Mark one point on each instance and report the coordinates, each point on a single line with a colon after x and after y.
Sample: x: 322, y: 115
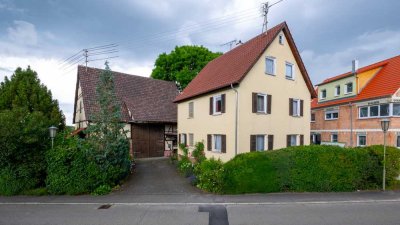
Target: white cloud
x: 369, y: 48
x: 23, y: 33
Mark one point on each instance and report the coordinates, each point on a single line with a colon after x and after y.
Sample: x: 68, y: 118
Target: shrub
x: 209, y: 173
x: 184, y: 150
x: 185, y: 166
x: 15, y: 180
x: 198, y: 152
x: 102, y: 190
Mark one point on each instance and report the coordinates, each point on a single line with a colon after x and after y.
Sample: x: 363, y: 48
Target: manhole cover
x: 105, y: 206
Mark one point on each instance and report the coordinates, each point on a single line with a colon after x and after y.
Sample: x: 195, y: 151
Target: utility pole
x: 86, y: 55
x: 265, y: 8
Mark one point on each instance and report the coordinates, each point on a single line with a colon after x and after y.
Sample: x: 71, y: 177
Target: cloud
x: 368, y: 48
x: 23, y: 33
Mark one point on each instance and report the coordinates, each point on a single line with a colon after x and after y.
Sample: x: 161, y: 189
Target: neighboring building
x: 147, y: 109
x: 254, y: 97
x: 350, y: 106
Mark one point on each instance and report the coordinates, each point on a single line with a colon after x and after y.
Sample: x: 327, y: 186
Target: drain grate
x: 104, y: 206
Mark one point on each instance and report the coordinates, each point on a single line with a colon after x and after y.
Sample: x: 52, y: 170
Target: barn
x: 147, y: 109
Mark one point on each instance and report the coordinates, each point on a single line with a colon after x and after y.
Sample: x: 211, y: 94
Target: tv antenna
x: 265, y: 8
x: 232, y: 43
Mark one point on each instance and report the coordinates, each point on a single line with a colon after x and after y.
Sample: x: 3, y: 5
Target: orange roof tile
x: 385, y: 83
x: 233, y: 66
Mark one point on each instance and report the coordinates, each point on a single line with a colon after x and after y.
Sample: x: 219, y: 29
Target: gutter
x: 236, y: 116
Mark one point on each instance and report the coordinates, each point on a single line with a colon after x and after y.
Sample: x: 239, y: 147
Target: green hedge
x: 306, y: 168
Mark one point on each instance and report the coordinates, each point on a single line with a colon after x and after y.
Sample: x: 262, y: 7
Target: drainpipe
x: 236, y: 117
x: 351, y: 124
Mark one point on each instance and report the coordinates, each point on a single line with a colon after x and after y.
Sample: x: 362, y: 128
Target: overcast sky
x: 328, y: 33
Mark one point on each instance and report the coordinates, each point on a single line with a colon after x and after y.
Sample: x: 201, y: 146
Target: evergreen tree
x: 110, y: 147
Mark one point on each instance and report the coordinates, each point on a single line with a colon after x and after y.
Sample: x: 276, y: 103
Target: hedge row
x: 304, y: 168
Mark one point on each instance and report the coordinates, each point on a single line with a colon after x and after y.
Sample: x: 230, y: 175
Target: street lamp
x: 53, y: 132
x: 385, y: 123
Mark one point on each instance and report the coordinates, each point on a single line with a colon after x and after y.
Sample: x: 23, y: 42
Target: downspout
x: 351, y: 124
x: 236, y: 116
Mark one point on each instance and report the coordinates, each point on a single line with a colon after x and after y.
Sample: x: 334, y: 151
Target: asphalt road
x: 156, y: 194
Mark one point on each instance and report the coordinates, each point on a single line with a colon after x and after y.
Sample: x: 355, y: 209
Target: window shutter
x: 179, y: 138
x: 301, y: 107
x: 209, y: 142
x: 270, y: 142
x: 254, y: 102
x: 223, y: 143
x: 269, y: 102
x: 288, y: 140
x: 290, y: 106
x: 252, y: 143
x: 223, y: 103
x: 211, y: 105
x: 301, y: 139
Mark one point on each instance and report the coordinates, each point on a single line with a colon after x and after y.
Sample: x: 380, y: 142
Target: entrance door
x: 147, y: 140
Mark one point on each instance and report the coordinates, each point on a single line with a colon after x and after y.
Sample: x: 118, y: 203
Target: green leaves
x: 182, y: 64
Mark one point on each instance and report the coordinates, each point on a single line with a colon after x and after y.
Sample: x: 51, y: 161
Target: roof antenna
x: 264, y: 9
x: 231, y: 43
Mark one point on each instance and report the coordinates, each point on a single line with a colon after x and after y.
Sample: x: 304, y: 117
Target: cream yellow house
x: 255, y: 97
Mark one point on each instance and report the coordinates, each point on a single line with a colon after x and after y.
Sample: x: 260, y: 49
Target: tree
x: 110, y: 147
x: 27, y: 109
x: 182, y: 64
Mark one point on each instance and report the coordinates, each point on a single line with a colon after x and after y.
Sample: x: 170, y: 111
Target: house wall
x: 80, y: 116
x: 370, y: 126
x: 330, y: 89
x: 278, y: 123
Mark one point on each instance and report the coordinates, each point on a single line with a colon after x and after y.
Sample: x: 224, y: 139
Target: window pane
x: 260, y: 143
x: 362, y: 140
x: 293, y: 140
x: 334, y: 138
x: 373, y: 111
x: 324, y: 94
x: 335, y: 115
x: 328, y: 116
x: 396, y: 109
x: 349, y: 87
x: 190, y: 109
x: 398, y: 141
x: 218, y: 104
x: 289, y: 70
x: 364, y: 112
x: 312, y: 116
x: 384, y: 110
x: 217, y: 142
x: 295, y: 107
x: 260, y: 103
x: 270, y: 66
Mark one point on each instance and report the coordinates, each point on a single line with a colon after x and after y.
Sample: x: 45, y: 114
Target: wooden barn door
x: 147, y: 140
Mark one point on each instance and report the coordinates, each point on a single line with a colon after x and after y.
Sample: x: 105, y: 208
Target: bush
x: 102, y: 190
x: 185, y: 166
x: 308, y: 168
x: 209, y: 175
x: 15, y: 180
x: 198, y: 152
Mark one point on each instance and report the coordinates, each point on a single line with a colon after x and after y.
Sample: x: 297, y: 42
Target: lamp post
x: 385, y: 127
x: 53, y: 132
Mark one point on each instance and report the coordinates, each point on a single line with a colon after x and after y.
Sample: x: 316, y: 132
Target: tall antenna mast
x: 86, y: 55
x: 265, y: 8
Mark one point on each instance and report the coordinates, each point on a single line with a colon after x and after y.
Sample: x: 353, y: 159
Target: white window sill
x: 296, y: 116
x: 261, y: 113
x: 348, y: 93
x: 270, y: 74
x: 289, y: 78
x: 312, y: 121
x: 331, y: 119
x: 216, y: 151
x: 217, y: 114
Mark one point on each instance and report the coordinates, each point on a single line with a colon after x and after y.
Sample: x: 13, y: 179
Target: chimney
x: 354, y: 66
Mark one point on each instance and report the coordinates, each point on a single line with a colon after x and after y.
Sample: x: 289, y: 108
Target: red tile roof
x: 233, y: 66
x: 385, y: 83
x: 147, y: 100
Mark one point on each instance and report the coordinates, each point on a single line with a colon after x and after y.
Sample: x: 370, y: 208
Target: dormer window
x: 349, y: 88
x: 323, y: 94
x: 337, y: 90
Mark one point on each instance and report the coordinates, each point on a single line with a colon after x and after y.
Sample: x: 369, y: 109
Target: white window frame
x: 265, y: 103
x: 346, y: 86
x: 392, y: 109
x: 379, y: 111
x: 337, y: 137
x: 281, y: 39
x: 292, y: 66
x: 215, y: 99
x: 215, y: 138
x: 296, y: 109
x: 191, y: 140
x: 321, y: 95
x: 274, y: 65
x: 337, y: 91
x: 358, y: 139
x: 191, y: 109
x: 332, y: 112
x: 263, y: 145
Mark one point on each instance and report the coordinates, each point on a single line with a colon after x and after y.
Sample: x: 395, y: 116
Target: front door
x: 147, y: 140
